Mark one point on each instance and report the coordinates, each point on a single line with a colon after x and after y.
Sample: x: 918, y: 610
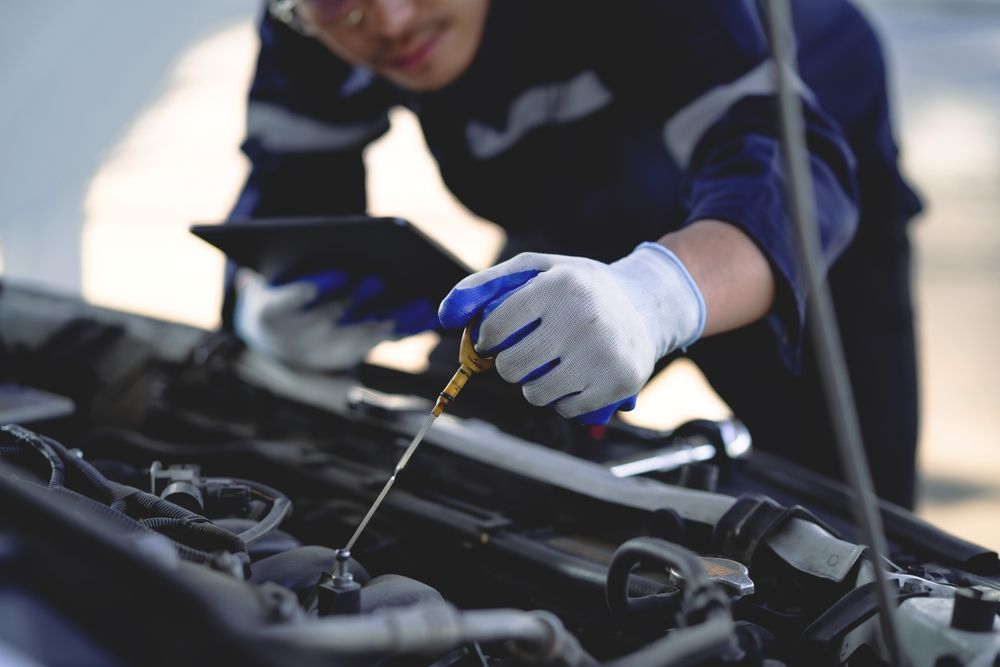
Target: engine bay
x: 189, y: 504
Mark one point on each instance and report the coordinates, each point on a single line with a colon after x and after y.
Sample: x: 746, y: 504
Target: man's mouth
x: 416, y: 54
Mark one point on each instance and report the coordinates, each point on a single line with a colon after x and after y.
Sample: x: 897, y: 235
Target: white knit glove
x: 318, y: 322
x: 576, y: 333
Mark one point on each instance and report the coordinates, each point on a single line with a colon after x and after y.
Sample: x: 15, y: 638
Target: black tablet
x: 390, y: 248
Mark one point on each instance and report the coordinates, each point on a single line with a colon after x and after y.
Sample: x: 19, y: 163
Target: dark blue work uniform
x: 583, y: 128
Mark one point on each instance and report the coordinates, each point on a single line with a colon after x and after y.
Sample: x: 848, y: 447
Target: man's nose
x: 391, y: 18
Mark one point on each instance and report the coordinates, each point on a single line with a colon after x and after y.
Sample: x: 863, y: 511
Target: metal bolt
x: 342, y: 573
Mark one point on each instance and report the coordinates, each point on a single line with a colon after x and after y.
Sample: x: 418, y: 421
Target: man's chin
x: 427, y: 79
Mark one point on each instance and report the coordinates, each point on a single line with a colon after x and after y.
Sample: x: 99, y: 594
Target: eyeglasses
x: 309, y: 16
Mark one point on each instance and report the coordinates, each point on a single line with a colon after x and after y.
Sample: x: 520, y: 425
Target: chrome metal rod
x: 388, y: 485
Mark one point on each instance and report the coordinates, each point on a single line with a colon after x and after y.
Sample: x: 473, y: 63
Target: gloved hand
x: 576, y: 333
x: 322, y: 321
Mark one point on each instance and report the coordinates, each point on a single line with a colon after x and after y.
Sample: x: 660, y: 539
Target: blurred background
x: 123, y: 125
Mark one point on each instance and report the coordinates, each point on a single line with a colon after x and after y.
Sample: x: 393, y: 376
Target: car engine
x: 170, y: 498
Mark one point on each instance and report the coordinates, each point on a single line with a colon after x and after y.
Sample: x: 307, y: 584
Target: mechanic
x: 636, y: 140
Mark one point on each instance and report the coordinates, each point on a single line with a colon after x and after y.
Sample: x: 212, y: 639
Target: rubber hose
x: 58, y: 456
x: 703, y: 604
x: 281, y: 508
x: 693, y: 645
x: 206, y: 535
x: 699, y: 594
x: 25, y: 437
x: 102, y: 486
x: 540, y: 638
x: 156, y: 505
x: 125, y: 521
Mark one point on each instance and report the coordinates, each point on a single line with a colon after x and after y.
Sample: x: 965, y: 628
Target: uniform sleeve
x: 703, y: 67
x: 309, y: 116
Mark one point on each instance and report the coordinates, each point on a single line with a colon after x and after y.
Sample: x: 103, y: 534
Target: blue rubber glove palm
x: 577, y: 334
x: 324, y: 321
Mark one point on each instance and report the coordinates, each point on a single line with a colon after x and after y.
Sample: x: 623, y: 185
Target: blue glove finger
x: 462, y: 305
x: 368, y: 288
x: 413, y: 317
x: 329, y: 284
x: 602, y: 415
x: 365, y: 290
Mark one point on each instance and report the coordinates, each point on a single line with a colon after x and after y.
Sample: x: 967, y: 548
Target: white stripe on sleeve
x: 279, y: 129
x: 684, y: 130
x: 549, y: 104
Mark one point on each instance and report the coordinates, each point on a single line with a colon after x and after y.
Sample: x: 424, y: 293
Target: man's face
x: 420, y: 45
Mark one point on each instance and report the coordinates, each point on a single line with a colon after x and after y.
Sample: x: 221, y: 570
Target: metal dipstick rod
x: 470, y: 362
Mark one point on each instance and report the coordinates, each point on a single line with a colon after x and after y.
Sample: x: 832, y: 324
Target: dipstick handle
x: 470, y: 362
x: 449, y: 393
